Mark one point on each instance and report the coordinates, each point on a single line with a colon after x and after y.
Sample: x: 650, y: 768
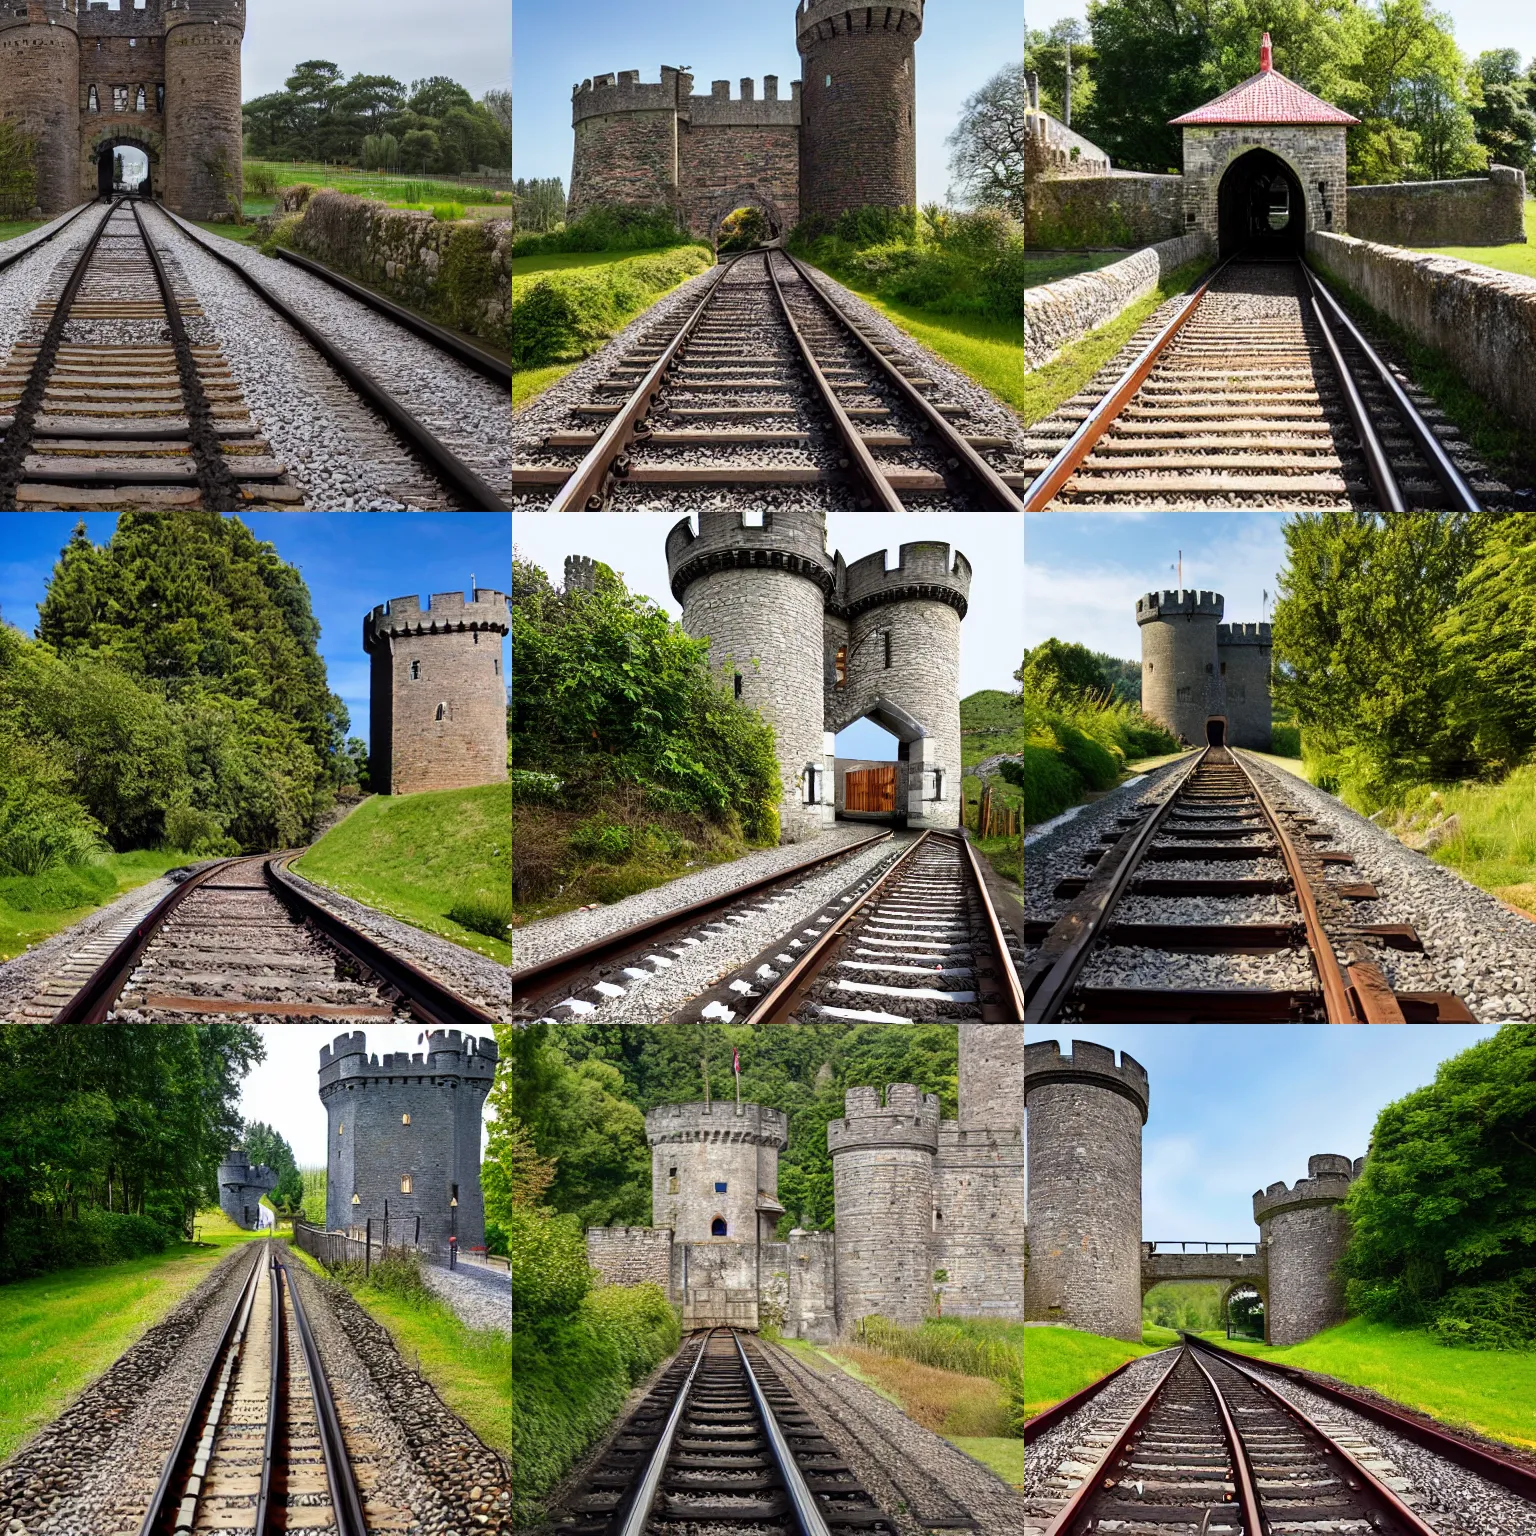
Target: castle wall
x: 1124, y: 208
x: 1180, y: 679
x: 725, y: 167
x: 811, y: 1262
x: 991, y: 1087
x: 1305, y: 1295
x: 709, y: 1145
x: 240, y: 1190
x: 203, y: 174
x: 978, y: 1222
x: 128, y: 58
x: 40, y: 90
x: 624, y: 157
x: 1243, y: 654
x: 631, y: 1255
x: 1474, y: 210
x: 716, y: 1282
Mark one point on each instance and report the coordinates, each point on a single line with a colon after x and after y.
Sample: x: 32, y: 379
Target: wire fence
x: 367, y: 1244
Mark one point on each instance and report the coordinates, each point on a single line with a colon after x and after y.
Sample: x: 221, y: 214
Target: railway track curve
x: 1259, y: 391
x: 240, y: 938
x: 1215, y: 835
x: 765, y: 382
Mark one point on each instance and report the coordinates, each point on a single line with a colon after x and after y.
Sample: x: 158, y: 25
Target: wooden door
x: 870, y: 789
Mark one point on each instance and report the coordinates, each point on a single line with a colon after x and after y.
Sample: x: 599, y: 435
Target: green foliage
x: 971, y: 1347
x: 1504, y: 109
x: 288, y: 1195
x: 549, y: 1264
x: 1194, y: 1306
x: 489, y: 913
x: 267, y: 1148
x: 609, y: 228
x: 743, y: 230
x: 530, y: 788
x: 18, y: 170
x: 639, y: 1321
x: 314, y: 1195
x: 538, y: 204
x: 1444, y: 1215
x: 1063, y: 667
x: 398, y: 1274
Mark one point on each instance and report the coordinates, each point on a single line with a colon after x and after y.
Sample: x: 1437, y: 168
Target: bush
x: 535, y: 788
x: 1499, y: 1315
x: 1095, y: 765
x: 261, y: 179
x: 599, y: 838
x: 1050, y: 786
x: 1285, y: 740
x: 446, y: 213
x: 482, y: 913
x: 609, y: 229
x: 399, y: 1275
x: 188, y: 829
x: 283, y: 230
x: 550, y: 1274
x: 495, y: 1238
x: 642, y: 1324
x: 33, y: 1245
x: 60, y: 889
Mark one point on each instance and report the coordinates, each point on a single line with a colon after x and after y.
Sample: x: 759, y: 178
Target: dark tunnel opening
x: 1261, y: 208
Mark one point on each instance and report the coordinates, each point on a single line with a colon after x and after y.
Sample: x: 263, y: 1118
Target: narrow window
x: 341, y: 1130
x: 405, y: 1183
x: 672, y: 1174
x: 476, y: 634
x: 405, y: 1119
x: 887, y: 648
x: 1223, y: 669
x: 841, y: 666
x: 138, y: 100
x: 119, y: 98
x: 92, y: 100
x: 719, y: 1189
x: 738, y: 685
x: 159, y: 98
x: 829, y: 79
x: 442, y: 711
x: 497, y: 665
x: 415, y: 670
x: 717, y: 1227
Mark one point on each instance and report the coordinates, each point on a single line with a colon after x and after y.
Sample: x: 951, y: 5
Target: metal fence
x: 367, y: 1244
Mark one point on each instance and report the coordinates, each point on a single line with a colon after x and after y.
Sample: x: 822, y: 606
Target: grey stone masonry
x: 1086, y: 1111
x: 631, y: 1255
x: 811, y: 1261
x: 1305, y: 1234
x: 405, y: 1129
x: 697, y: 1148
x: 1180, y: 683
x: 1313, y: 151
x: 1243, y: 659
x: 1472, y: 210
x: 991, y: 1077
x: 978, y: 1219
x: 240, y: 1190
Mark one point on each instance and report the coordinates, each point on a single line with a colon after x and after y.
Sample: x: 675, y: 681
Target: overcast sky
x: 468, y: 40
x: 1235, y: 1107
x: 284, y: 1090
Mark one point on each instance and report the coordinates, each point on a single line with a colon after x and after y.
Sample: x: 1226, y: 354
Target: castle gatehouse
x: 1206, y: 681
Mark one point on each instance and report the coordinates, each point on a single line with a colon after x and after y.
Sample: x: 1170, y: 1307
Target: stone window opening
x: 341, y: 1129
x: 92, y: 100
x: 405, y: 1119
x: 496, y: 666
x: 443, y: 712
x: 1184, y: 696
x: 119, y: 98
x: 829, y: 79
x: 475, y: 636
x: 1223, y: 669
x: 415, y: 670
x: 717, y: 1227
x: 887, y: 638
x: 1207, y: 669
x: 159, y: 98
x: 138, y: 100
x: 840, y: 666
x: 738, y: 685
x: 405, y: 1184
x: 719, y: 1188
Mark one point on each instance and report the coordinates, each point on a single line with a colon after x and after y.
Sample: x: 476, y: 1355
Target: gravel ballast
x: 482, y: 1298
x: 23, y: 284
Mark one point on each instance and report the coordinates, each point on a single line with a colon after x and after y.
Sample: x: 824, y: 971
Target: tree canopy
x: 987, y: 146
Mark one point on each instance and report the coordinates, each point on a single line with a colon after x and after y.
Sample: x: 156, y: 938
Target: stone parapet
x: 1183, y: 603
x: 1243, y: 634
x: 1472, y: 210
x: 924, y: 570
x: 795, y: 542
x: 445, y: 613
x: 820, y: 19
x: 720, y: 1120
x: 1089, y: 1064
x: 1327, y: 1183
x: 909, y: 1118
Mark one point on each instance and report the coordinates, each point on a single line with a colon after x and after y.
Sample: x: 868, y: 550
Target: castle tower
x: 437, y: 701
x: 406, y: 1129
x: 626, y: 141
x: 40, y: 92
x: 1242, y: 656
x: 757, y: 594
x: 1086, y: 1111
x: 715, y: 1170
x: 902, y: 668
x: 1180, y: 678
x: 858, y: 140
x: 240, y: 1190
x: 204, y: 128
x: 1305, y: 1232
x: 882, y: 1183
x: 991, y: 1077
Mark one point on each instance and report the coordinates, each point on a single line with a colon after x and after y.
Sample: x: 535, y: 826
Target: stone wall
x: 457, y: 273
x: 810, y: 1259
x: 730, y: 166
x: 1057, y: 314
x: 631, y: 1255
x: 107, y: 62
x: 978, y: 1219
x: 39, y: 90
x: 203, y: 175
x: 624, y: 157
x: 1476, y: 210
x: 1123, y: 208
x: 1481, y: 320
x: 1302, y: 1248
x: 1314, y: 153
x: 991, y: 1077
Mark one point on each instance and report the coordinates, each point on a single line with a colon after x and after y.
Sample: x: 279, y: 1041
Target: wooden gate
x: 870, y: 789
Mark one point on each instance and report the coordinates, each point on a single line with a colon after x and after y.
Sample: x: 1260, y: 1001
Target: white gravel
x: 482, y: 1298
x: 23, y: 284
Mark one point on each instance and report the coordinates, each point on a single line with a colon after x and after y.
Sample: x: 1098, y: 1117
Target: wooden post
x: 367, y: 1247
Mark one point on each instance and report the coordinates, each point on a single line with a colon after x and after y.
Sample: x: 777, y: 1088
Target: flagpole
x: 704, y: 1068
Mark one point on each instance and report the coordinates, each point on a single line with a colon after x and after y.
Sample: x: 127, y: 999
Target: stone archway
x: 910, y: 757
x: 97, y: 163
x: 1261, y: 206
x: 745, y: 197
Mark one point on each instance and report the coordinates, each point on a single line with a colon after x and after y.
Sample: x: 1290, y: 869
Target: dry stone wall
x: 631, y: 1255
x: 1475, y: 210
x: 1123, y: 208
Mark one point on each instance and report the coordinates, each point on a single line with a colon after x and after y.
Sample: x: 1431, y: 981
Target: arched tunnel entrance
x: 1216, y: 731
x: 136, y: 168
x: 1261, y: 208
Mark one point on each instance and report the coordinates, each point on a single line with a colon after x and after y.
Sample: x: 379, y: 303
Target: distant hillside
x: 990, y: 722
x: 418, y: 857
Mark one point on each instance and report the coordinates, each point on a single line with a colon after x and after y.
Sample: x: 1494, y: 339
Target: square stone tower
x: 438, y: 700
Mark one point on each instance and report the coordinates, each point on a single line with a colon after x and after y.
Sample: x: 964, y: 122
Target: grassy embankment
x: 1061, y: 1361
x: 1041, y: 267
x: 429, y: 859
x: 35, y: 907
x: 58, y: 1332
x: 11, y: 228
x: 1515, y: 257
x: 992, y: 721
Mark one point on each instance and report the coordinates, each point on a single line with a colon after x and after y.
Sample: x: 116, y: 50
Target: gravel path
x: 481, y: 1298
x: 1473, y: 944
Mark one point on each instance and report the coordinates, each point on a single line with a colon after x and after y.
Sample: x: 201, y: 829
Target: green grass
x: 1296, y: 765
x: 1490, y: 1391
x: 989, y: 351
x: 563, y: 261
x: 412, y: 856
x: 1061, y: 378
x: 314, y: 1195
x: 59, y: 1332
x: 1514, y: 257
x: 1042, y: 267
x: 1005, y: 1457
x: 1061, y: 1361
x: 244, y: 233
x: 417, y: 190
x: 1496, y: 848
x: 19, y: 931
x: 529, y: 383
x: 9, y: 230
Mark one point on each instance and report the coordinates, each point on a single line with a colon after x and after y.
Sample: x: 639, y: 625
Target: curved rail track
x: 236, y: 938
x: 1259, y: 392
x: 114, y: 405
x: 263, y: 1424
x: 766, y: 382
x: 1213, y: 1446
x: 721, y: 1443
x: 1218, y: 835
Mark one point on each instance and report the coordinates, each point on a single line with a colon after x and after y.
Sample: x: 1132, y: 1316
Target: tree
x: 1506, y: 116
x: 418, y: 150
x: 499, y: 104
x: 1065, y: 668
x: 266, y: 1148
x: 743, y: 230
x: 437, y: 96
x: 987, y: 159
x: 1045, y: 53
x: 539, y: 204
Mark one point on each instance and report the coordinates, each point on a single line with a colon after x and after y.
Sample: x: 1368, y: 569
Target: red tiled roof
x: 1267, y: 97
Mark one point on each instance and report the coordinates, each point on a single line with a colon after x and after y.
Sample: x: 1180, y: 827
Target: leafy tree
x: 1065, y: 668
x: 1506, y: 116
x: 538, y: 204
x: 266, y: 1148
x: 987, y: 159
x: 1045, y: 53
x: 1122, y: 678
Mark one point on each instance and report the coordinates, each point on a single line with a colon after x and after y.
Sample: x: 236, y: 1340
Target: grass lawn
x: 563, y: 261
x: 1490, y: 1391
x: 419, y: 191
x: 1061, y: 378
x: 244, y: 233
x: 470, y: 1369
x: 1147, y: 764
x: 1294, y: 765
x: 1004, y: 1456
x: 528, y: 383
x: 59, y: 1332
x: 413, y: 856
x: 19, y: 931
x: 1049, y: 266
x: 11, y: 228
x: 1507, y: 258
x: 1061, y: 1361
x: 991, y: 722
x: 1497, y: 846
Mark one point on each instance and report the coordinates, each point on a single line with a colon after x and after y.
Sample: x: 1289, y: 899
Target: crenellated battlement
x: 445, y: 612
x: 1329, y: 1175
x: 1243, y: 634
x: 580, y: 573
x: 908, y: 1118
x: 1089, y: 1063
x: 924, y: 571
x: 1172, y: 604
x: 785, y: 540
x: 449, y: 1053
x: 624, y: 91
x: 815, y: 19
x: 719, y: 1120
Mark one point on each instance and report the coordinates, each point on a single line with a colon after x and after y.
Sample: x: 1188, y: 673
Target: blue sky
x: 991, y: 638
x: 350, y: 562
x: 557, y: 46
x: 1083, y: 571
x: 1236, y: 1107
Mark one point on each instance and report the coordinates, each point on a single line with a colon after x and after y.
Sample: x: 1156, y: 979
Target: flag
x: 735, y: 1061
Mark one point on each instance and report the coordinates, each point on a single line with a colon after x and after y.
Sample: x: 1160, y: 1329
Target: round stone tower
x: 903, y: 668
x: 757, y: 594
x: 1243, y: 652
x: 1083, y: 1150
x: 715, y: 1170
x: 626, y: 140
x: 241, y: 1187
x: 858, y: 141
x: 204, y: 130
x: 437, y: 700
x: 1180, y: 678
x: 1305, y: 1232
x: 882, y: 1187
x: 40, y: 93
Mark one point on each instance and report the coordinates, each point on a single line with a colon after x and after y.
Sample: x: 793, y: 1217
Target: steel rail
x: 346, y: 1502
x: 859, y: 455
x: 276, y: 1406
x: 1049, y: 1418
x: 1048, y: 983
x: 997, y: 496
x: 808, y: 1514
x: 175, y: 1484
x: 215, y: 478
x: 1069, y: 457
x: 1254, y: 1522
x: 586, y: 489
x: 21, y: 255
x: 459, y: 477
x: 484, y: 363
x: 533, y: 981
x: 1463, y: 498
x: 1503, y: 1470
x: 644, y: 1492
x: 1013, y: 991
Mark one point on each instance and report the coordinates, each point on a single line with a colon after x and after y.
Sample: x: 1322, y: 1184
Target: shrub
x: 599, y: 838
x: 1094, y: 763
x: 188, y: 829
x: 446, y: 213
x: 282, y: 230
x: 1499, y: 1315
x: 399, y: 1275
x: 480, y: 912
x: 261, y: 179
x: 609, y: 229
x: 639, y: 1320
x: 31, y: 1245
x: 1050, y: 786
x: 495, y: 1238
x: 535, y: 788
x: 550, y: 1275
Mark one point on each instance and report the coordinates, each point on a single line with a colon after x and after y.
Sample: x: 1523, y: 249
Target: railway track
x: 119, y: 394
x: 721, y: 1444
x: 1257, y: 872
x: 1258, y: 392
x: 237, y: 939
x: 262, y: 1447
x: 765, y: 382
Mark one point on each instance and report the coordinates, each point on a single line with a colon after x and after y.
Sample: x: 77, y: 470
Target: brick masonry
x: 1475, y: 210
x: 438, y: 701
x: 39, y: 90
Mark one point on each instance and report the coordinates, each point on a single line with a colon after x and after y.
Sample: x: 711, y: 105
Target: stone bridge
x: 1233, y: 1265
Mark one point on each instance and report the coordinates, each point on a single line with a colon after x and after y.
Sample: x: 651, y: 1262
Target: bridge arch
x: 100, y: 150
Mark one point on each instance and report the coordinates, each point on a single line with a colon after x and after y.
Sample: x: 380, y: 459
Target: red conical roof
x: 1267, y: 97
